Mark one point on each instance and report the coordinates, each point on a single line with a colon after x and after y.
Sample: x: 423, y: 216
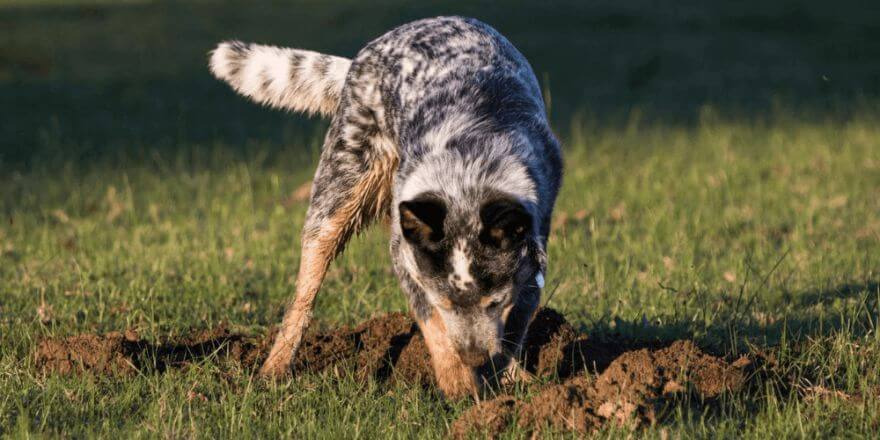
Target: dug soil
x: 587, y: 383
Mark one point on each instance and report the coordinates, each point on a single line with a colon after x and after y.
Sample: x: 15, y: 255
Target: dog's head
x: 478, y: 263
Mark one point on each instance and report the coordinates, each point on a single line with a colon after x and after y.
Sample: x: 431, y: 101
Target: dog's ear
x: 421, y: 220
x: 506, y: 223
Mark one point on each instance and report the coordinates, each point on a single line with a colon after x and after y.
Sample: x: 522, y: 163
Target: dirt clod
x: 488, y: 418
x: 110, y: 354
x: 629, y: 392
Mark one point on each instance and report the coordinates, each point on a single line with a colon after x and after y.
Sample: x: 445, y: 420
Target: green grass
x: 135, y: 192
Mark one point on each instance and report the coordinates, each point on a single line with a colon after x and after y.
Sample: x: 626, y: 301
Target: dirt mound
x: 547, y: 342
x: 387, y: 347
x: 629, y: 382
x: 630, y: 392
x: 109, y: 354
x: 554, y: 348
x: 125, y: 354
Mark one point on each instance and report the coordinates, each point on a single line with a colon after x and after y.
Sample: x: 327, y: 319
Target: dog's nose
x: 474, y: 357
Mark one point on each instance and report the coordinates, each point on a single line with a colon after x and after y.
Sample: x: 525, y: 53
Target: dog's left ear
x: 421, y: 220
x: 506, y: 223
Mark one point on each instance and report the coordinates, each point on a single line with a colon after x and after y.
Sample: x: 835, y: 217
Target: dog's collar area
x: 539, y: 279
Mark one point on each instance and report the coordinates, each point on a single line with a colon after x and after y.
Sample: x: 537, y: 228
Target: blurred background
x: 82, y: 80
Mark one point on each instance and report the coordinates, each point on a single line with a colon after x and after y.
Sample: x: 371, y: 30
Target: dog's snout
x: 474, y: 356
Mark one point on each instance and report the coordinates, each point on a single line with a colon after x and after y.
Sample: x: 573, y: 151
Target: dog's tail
x: 292, y: 79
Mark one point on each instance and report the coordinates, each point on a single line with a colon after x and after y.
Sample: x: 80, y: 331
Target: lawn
x: 722, y: 185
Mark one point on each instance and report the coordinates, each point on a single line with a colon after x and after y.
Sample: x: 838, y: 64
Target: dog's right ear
x: 421, y: 220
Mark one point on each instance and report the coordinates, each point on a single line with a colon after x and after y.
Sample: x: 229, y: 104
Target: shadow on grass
x: 803, y: 315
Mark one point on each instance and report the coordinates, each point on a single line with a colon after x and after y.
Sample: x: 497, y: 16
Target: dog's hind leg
x: 352, y: 186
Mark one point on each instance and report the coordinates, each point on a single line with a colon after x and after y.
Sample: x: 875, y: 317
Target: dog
x: 440, y: 126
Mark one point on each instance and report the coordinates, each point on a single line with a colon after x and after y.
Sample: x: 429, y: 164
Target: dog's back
x: 441, y: 73
x: 457, y: 93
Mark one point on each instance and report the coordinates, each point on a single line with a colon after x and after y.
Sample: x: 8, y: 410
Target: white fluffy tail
x: 292, y: 79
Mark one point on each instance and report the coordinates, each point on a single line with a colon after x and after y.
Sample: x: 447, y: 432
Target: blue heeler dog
x: 440, y: 125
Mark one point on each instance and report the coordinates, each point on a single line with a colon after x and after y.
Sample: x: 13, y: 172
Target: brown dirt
x: 628, y: 382
x: 631, y: 391
x: 389, y: 347
x: 125, y: 354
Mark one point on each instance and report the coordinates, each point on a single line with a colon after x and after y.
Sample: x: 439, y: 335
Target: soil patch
x: 124, y: 354
x: 592, y: 382
x: 631, y: 391
x: 389, y: 347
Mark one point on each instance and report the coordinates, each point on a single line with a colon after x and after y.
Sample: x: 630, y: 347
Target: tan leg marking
x: 454, y: 378
x: 316, y: 257
x: 367, y: 200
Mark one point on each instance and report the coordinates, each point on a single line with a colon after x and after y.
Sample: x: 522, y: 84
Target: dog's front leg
x: 454, y: 378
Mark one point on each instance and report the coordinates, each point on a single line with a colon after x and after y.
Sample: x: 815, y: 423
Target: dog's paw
x: 275, y: 370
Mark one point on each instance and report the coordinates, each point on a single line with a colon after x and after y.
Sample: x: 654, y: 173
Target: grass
x: 137, y: 193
